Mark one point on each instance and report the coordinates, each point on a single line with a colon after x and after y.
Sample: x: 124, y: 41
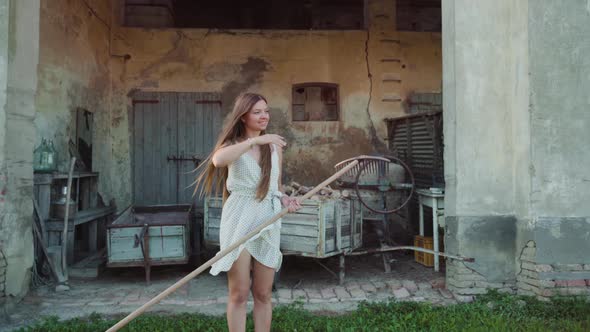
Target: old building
x: 513, y: 75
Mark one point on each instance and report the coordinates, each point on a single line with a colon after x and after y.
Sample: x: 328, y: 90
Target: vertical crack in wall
x: 373, y: 131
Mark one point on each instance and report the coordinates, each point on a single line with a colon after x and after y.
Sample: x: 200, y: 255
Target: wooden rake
x: 349, y: 168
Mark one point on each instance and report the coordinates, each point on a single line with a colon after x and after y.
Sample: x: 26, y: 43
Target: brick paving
x: 122, y: 291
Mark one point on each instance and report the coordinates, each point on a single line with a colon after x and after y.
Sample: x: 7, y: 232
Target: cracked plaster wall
x: 269, y: 62
x: 74, y: 72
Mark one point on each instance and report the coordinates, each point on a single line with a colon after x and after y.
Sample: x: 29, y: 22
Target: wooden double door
x: 172, y: 132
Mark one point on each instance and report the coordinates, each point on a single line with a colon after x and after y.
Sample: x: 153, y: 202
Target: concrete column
x: 19, y: 55
x: 485, y: 93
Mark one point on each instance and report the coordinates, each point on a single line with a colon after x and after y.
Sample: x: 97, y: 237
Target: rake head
x: 374, y: 165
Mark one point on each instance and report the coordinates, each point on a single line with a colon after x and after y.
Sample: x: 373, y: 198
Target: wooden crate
x: 426, y: 242
x: 319, y: 229
x: 167, y: 236
x: 422, y: 257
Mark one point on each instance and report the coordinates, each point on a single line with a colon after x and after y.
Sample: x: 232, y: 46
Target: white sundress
x: 242, y: 213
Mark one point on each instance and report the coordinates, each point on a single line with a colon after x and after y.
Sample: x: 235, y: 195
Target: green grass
x: 491, y: 312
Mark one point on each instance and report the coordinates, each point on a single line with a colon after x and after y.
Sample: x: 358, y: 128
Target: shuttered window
x: 315, y: 102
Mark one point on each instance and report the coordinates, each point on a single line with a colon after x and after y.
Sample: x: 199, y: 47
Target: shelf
x: 81, y: 217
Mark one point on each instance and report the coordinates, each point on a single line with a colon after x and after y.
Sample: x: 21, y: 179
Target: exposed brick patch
x: 529, y: 282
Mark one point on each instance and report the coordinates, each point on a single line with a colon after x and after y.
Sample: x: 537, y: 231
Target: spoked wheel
x: 387, y: 175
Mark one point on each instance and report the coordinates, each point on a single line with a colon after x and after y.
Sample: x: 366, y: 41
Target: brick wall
x: 465, y: 283
x: 546, y: 280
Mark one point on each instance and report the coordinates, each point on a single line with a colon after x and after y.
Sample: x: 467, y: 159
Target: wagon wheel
x: 384, y: 182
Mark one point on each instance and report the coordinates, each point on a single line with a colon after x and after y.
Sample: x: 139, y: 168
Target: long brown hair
x: 213, y: 178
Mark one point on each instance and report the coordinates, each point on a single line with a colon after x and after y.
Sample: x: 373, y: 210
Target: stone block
x: 529, y: 273
x: 313, y: 293
x: 341, y: 293
x: 299, y: 294
x: 468, y: 277
x: 467, y: 291
x: 357, y: 294
x: 410, y: 285
x: 525, y: 286
x: 568, y: 267
x: 543, y: 268
x: 328, y: 293
x: 393, y: 284
x: 576, y: 283
x: 379, y: 284
x: 528, y: 266
x: 586, y: 267
x: 368, y: 287
x: 424, y: 286
x: 461, y: 284
x: 401, y: 293
x: 438, y: 283
x: 547, y: 283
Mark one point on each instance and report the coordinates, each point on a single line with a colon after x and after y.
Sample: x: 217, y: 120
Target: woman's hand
x: 269, y: 139
x: 291, y: 203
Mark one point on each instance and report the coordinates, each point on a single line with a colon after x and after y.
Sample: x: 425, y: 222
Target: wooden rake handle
x: 224, y: 252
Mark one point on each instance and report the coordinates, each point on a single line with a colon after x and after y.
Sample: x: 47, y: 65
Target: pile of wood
x: 295, y: 189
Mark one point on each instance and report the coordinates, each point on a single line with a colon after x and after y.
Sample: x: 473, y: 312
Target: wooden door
x: 172, y: 132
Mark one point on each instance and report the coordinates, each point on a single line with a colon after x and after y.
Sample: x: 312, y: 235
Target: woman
x: 246, y: 162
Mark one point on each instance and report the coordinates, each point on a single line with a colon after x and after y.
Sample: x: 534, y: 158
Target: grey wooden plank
x: 184, y: 128
x: 214, y: 222
x: 303, y: 220
x: 168, y: 148
x: 331, y: 247
x: 297, y: 230
x: 298, y: 243
x: 138, y: 144
x: 214, y: 213
x: 151, y: 139
x: 306, y: 219
x: 212, y: 236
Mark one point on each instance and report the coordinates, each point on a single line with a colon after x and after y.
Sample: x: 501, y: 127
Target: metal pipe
x: 428, y: 251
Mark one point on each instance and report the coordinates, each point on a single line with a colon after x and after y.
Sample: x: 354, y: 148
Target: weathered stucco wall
x: 74, y: 73
x: 19, y: 36
x: 485, y: 96
x: 560, y: 115
x: 554, y: 240
x: 516, y: 119
x: 4, y: 19
x: 270, y: 62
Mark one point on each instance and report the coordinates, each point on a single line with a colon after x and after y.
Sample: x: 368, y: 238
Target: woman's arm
x: 229, y: 153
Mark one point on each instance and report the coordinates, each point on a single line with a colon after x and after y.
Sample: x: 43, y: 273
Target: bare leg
x: 262, y: 278
x: 238, y: 283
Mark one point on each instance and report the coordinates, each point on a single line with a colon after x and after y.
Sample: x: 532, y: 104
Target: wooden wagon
x: 148, y: 236
x: 320, y: 229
